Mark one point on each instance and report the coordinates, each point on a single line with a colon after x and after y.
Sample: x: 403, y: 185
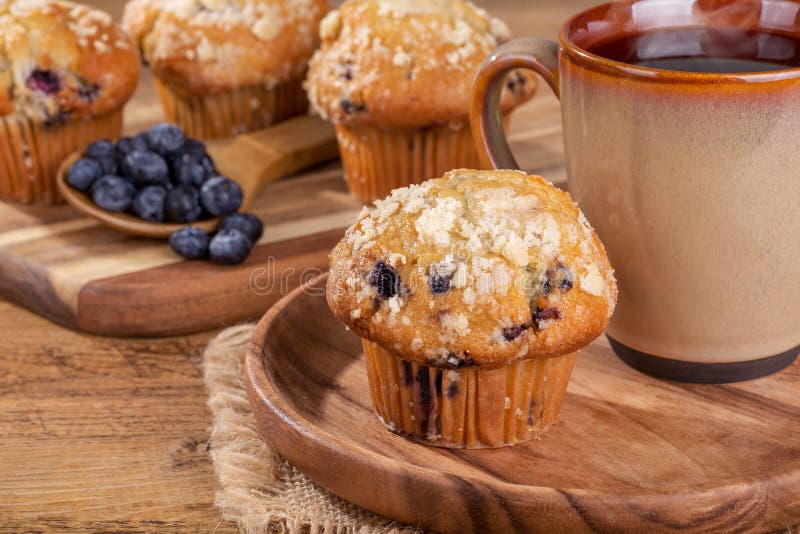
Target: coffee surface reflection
x: 711, y: 50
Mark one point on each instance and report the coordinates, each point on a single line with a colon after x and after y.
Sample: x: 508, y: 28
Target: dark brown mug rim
x: 609, y: 66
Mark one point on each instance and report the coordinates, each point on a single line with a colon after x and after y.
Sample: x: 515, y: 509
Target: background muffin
x: 395, y: 77
x: 226, y: 67
x: 472, y: 293
x: 66, y: 71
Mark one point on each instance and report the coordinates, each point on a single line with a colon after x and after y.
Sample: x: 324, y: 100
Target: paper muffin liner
x: 31, y: 152
x: 232, y: 112
x: 377, y: 161
x: 471, y: 407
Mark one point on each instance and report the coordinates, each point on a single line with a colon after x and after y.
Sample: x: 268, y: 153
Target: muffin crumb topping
x: 234, y: 42
x: 473, y: 267
x: 426, y: 50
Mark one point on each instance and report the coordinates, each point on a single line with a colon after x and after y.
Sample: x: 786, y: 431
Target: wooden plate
x: 630, y: 453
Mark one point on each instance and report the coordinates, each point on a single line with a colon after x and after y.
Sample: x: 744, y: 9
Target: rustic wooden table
x: 111, y: 434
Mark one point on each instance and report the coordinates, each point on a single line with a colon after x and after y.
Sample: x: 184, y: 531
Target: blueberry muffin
x: 227, y: 66
x: 472, y: 294
x: 394, y: 76
x: 66, y: 71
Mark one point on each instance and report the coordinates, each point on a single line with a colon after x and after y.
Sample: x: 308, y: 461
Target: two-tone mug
x: 681, y: 124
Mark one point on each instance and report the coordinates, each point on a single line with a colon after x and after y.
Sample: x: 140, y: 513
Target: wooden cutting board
x: 88, y: 277
x: 74, y: 271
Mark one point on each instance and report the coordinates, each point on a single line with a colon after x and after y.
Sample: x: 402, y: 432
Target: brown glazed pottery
x: 691, y: 179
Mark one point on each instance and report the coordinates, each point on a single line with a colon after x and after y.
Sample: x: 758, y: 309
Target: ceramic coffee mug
x: 691, y: 179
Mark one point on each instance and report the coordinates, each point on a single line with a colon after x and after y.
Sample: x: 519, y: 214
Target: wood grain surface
x: 630, y: 453
x: 101, y: 434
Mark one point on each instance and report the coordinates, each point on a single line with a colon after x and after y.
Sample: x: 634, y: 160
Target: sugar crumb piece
x: 460, y: 276
x: 101, y: 47
x: 395, y: 304
x: 499, y: 29
x: 469, y: 296
x: 396, y: 259
x: 458, y: 323
x: 592, y: 281
x: 331, y: 25
x: 266, y: 29
x: 507, y: 403
x: 401, y: 58
x: 205, y: 51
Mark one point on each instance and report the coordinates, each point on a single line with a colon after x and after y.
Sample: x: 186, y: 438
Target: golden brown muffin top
x: 60, y: 60
x: 217, y: 45
x: 405, y: 63
x: 474, y: 268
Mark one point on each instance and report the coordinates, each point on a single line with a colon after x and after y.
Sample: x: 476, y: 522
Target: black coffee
x: 719, y: 50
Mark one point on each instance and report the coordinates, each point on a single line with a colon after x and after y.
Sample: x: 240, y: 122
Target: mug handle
x: 538, y: 55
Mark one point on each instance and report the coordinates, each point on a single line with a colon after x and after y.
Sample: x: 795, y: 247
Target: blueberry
x: 148, y: 204
x: 104, y: 152
x: 83, y: 174
x: 439, y: 284
x: 166, y: 138
x: 187, y: 170
x: 349, y: 107
x: 229, y: 247
x: 190, y: 243
x: 113, y: 193
x: 100, y: 149
x: 513, y: 332
x: 45, y: 81
x: 126, y: 145
x: 557, y: 277
x: 384, y: 278
x: 88, y: 91
x: 221, y: 196
x: 183, y: 204
x: 247, y: 223
x: 546, y: 314
x: 193, y: 146
x: 110, y: 164
x: 143, y: 139
x: 439, y: 277
x: 145, y: 168
x: 208, y: 165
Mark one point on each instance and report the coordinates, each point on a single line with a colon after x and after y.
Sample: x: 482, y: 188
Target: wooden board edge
x: 140, y: 307
x: 29, y: 286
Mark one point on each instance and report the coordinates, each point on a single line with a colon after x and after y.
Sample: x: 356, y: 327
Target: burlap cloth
x: 260, y: 490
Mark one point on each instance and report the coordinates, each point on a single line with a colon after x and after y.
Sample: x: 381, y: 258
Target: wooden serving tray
x: 629, y: 454
x: 78, y: 273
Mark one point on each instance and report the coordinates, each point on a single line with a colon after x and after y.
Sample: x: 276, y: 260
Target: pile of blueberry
x: 158, y: 176
x: 161, y: 176
x: 229, y: 246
